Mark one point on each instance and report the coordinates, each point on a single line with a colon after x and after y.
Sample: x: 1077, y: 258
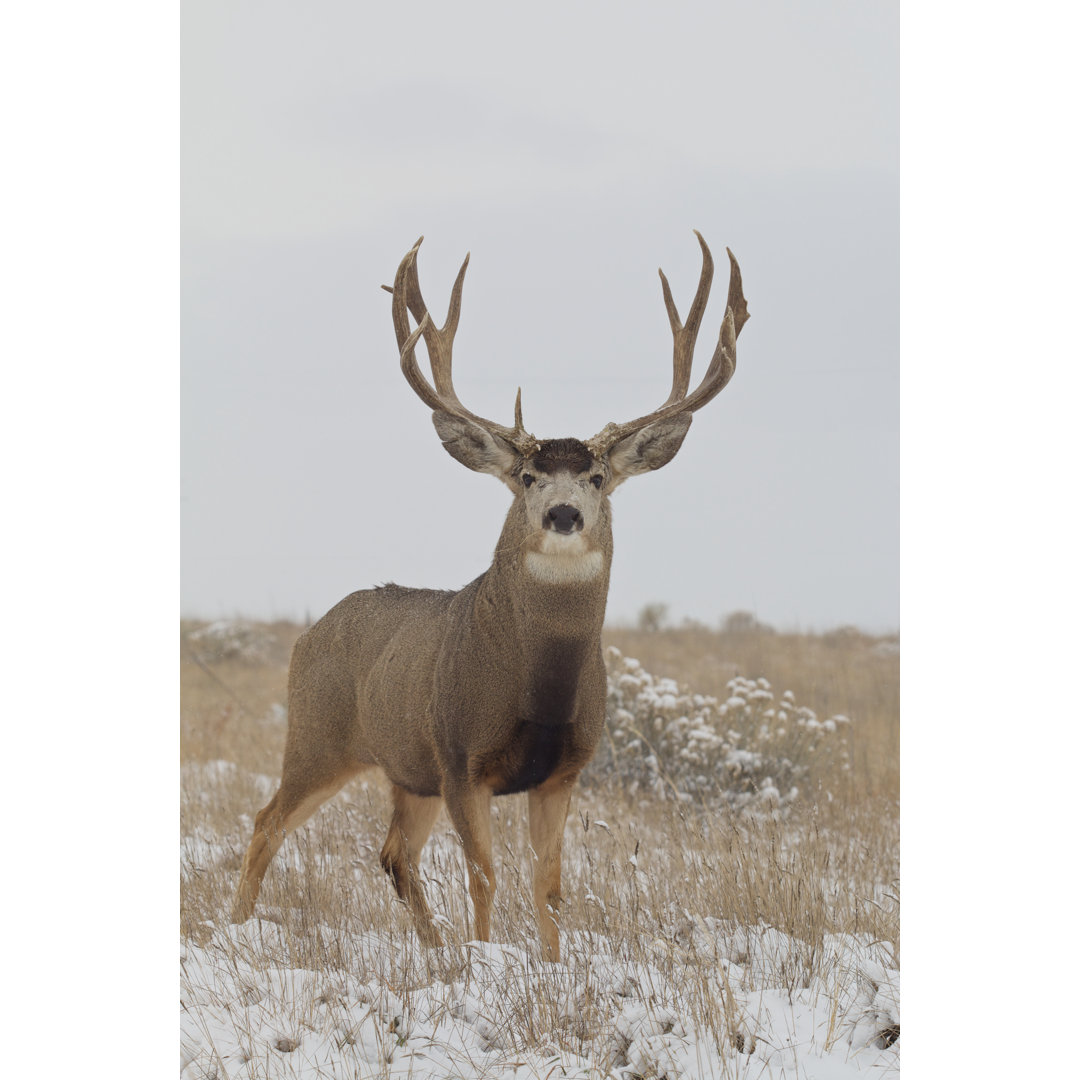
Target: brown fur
x: 569, y: 454
x: 497, y: 688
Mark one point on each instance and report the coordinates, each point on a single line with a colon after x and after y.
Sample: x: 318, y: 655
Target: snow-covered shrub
x: 231, y: 639
x: 751, y: 751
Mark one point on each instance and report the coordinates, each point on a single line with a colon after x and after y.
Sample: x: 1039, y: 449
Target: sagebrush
x: 749, y: 751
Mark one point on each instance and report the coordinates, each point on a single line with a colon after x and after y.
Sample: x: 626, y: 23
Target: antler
x: 440, y: 344
x: 720, y: 369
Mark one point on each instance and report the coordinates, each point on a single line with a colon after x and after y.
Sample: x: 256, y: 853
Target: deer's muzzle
x: 564, y: 519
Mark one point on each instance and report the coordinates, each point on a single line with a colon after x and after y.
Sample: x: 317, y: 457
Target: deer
x: 500, y: 687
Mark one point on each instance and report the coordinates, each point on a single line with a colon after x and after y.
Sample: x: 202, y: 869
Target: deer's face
x: 562, y: 487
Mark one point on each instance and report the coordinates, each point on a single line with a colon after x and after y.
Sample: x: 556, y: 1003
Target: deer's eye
x: 527, y: 479
x: 597, y: 480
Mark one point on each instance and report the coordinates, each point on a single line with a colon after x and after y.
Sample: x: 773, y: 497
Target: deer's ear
x: 650, y: 448
x: 474, y: 447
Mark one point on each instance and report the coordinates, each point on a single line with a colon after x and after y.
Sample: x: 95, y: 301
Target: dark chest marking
x: 536, y: 752
x: 544, y: 736
x: 551, y: 691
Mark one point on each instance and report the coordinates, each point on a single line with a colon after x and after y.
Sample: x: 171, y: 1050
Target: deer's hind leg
x: 410, y: 826
x: 296, y: 800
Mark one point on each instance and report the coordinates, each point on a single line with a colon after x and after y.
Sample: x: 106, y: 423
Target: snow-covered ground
x: 670, y: 966
x: 476, y: 1010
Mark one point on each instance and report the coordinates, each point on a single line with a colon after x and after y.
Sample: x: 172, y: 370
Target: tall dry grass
x: 638, y: 871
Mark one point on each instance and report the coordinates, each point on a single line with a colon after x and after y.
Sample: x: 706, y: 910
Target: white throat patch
x: 563, y: 559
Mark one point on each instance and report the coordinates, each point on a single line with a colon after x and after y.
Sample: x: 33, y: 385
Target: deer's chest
x: 535, y: 752
x: 546, y: 733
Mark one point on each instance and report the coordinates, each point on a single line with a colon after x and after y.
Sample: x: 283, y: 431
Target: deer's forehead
x: 558, y: 455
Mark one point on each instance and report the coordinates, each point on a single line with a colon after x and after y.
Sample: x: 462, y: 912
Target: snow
x: 475, y: 1010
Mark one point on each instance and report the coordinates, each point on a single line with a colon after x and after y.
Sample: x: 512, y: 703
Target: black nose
x: 565, y: 518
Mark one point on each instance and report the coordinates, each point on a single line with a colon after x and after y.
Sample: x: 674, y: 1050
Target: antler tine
x: 400, y: 293
x: 686, y: 335
x: 721, y: 367
x: 735, y: 300
x: 440, y: 342
x: 518, y: 425
x: 442, y: 369
x: 415, y: 377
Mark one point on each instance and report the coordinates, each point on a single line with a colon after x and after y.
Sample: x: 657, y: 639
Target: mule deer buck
x: 499, y: 687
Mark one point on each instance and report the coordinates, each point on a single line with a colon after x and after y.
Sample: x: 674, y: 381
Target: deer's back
x: 361, y: 676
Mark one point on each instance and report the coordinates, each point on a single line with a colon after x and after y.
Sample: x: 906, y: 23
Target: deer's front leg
x: 548, y: 807
x: 469, y: 808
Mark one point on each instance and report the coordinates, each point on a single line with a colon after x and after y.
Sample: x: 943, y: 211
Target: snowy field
x: 495, y: 1011
x: 717, y: 923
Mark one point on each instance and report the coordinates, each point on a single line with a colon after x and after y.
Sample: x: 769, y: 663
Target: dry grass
x: 647, y: 879
x: 227, y: 702
x: 232, y: 710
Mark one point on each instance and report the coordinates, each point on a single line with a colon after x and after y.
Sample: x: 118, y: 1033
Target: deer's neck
x: 548, y: 587
x: 564, y: 561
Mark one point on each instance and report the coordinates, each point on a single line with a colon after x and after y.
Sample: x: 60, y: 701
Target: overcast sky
x: 572, y: 148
